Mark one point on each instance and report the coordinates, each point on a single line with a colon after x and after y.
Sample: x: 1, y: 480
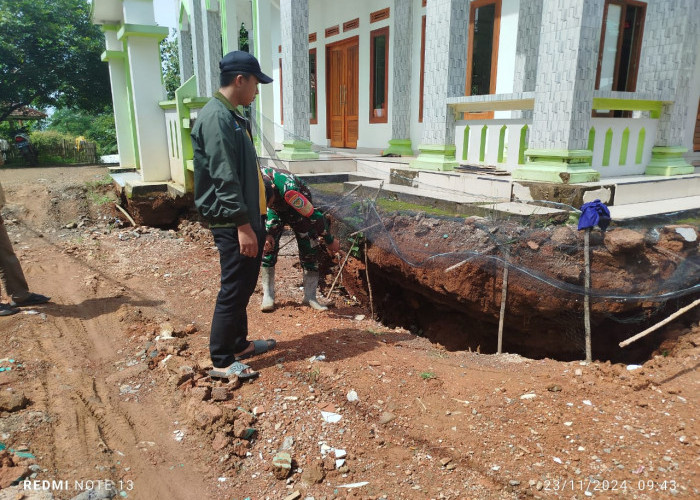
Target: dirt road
x: 113, y: 378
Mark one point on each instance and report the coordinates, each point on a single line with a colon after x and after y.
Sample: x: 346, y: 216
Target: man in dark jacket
x: 230, y: 194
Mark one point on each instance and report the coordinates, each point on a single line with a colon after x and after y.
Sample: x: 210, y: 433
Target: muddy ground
x: 107, y: 384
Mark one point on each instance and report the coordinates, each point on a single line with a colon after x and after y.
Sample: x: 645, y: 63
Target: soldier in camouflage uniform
x: 289, y: 203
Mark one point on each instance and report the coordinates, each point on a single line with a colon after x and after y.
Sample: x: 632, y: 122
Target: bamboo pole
x: 659, y: 324
x: 586, y: 297
x: 369, y: 285
x: 504, y: 293
x: 347, y: 255
x: 126, y: 214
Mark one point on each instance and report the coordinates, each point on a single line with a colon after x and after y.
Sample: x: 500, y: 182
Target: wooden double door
x: 342, y: 67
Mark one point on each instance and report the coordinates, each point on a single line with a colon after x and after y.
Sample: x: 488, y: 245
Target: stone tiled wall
x: 197, y: 36
x: 528, y: 45
x: 184, y: 45
x: 566, y: 71
x: 667, y: 62
x: 445, y: 66
x: 212, y: 54
x: 294, y: 20
x: 401, y: 81
x: 527, y: 49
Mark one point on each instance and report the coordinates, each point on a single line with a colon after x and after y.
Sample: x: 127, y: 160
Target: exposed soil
x: 108, y: 382
x: 448, y: 277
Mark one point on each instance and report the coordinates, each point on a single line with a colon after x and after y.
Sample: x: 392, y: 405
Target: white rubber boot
x: 310, y: 286
x: 268, y: 286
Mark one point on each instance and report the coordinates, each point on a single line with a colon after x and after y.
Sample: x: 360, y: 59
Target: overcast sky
x: 165, y: 13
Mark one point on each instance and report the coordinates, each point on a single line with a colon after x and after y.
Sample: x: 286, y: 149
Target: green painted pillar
x: 564, y: 166
x: 399, y: 147
x: 445, y: 71
x: 564, y: 93
x: 297, y: 150
x: 436, y: 157
x: 667, y: 160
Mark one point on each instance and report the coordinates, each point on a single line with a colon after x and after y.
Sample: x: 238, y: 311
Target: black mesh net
x: 468, y: 272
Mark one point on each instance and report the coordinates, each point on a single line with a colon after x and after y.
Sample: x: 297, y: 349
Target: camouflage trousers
x: 308, y: 251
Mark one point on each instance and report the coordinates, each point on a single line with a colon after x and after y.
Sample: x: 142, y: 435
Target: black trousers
x: 239, y: 275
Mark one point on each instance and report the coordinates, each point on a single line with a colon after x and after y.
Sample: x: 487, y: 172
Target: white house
x: 560, y: 91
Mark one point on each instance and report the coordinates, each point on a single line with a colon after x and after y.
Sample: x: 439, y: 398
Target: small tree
x: 170, y: 64
x: 243, y: 39
x: 95, y: 127
x: 50, y: 56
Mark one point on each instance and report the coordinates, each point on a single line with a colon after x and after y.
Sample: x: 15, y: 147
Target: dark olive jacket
x: 226, y: 174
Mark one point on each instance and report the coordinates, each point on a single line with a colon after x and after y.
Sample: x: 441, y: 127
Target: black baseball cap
x: 243, y: 62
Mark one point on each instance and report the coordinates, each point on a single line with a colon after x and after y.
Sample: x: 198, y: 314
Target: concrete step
x: 651, y: 208
x: 642, y: 188
x: 452, y: 201
x: 324, y: 165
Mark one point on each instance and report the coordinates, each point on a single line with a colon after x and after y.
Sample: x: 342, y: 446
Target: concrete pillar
x: 212, y: 37
x: 667, y: 65
x: 199, y: 49
x: 229, y: 26
x: 184, y: 46
x: 294, y: 29
x: 116, y: 62
x: 566, y: 72
x: 142, y: 40
x: 261, y: 46
x: 527, y: 49
x: 445, y: 76
x: 400, y: 143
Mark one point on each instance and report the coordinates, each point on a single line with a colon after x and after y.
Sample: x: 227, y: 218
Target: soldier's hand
x: 333, y: 247
x: 269, y: 243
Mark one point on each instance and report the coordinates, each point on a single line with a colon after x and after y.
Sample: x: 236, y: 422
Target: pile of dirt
x: 448, y: 277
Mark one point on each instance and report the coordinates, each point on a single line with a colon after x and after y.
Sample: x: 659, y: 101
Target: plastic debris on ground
x: 354, y: 485
x: 331, y: 417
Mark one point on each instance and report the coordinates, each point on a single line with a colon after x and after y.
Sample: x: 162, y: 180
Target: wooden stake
x: 659, y: 324
x: 504, y: 292
x: 369, y: 285
x: 126, y: 214
x: 340, y: 271
x: 586, y: 297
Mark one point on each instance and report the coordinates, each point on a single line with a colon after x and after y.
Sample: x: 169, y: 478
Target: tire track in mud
x: 96, y: 436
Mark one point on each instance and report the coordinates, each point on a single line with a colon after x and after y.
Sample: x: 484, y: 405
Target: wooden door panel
x: 352, y: 106
x: 335, y: 111
x: 351, y: 127
x: 337, y: 134
x: 342, y: 91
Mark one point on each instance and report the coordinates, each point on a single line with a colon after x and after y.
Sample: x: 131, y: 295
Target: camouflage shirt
x: 281, y: 213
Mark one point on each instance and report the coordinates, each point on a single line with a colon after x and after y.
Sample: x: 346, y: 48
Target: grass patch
x: 427, y: 375
x: 328, y: 187
x: 102, y: 182
x: 376, y: 333
x: 402, y: 206
x: 313, y: 375
x: 691, y: 221
x: 99, y: 191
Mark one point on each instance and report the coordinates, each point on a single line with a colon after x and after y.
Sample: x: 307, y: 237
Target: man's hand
x: 269, y: 243
x: 333, y: 247
x: 247, y: 241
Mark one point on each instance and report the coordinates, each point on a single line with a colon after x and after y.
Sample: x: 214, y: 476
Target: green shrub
x: 49, y: 139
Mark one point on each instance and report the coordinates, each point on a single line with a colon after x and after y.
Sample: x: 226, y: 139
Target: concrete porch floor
x: 628, y: 197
